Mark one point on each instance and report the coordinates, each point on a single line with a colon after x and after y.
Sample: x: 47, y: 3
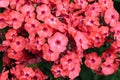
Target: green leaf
x: 1, y: 62
x: 4, y: 30
x: 117, y: 0
x: 117, y: 5
x: 71, y: 0
x: 45, y: 68
x: 2, y: 10
x: 86, y: 73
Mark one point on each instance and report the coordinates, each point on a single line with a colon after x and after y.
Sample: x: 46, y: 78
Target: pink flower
x: 28, y: 11
x: 28, y: 73
x: 53, y: 22
x: 4, y: 75
x: 44, y: 30
x: 111, y: 16
x: 110, y: 53
x: 82, y: 3
x: 16, y: 4
x: 32, y: 25
x: 13, y: 54
x: 104, y: 31
x: 37, y: 43
x: 93, y: 61
x: 13, y: 19
x: 62, y: 7
x: 3, y: 19
x: 48, y: 54
x: 69, y: 61
x: 91, y: 23
x: 4, y: 3
x: 105, y: 4
x: 2, y: 48
x: 116, y: 46
x: 6, y: 60
x: 43, y: 11
x: 11, y: 34
x: 18, y: 44
x: 116, y: 30
x: 81, y: 40
x: 96, y: 39
x: 16, y: 71
x: 93, y: 10
x: 73, y: 73
x: 57, y: 70
x: 58, y: 42
x: 39, y: 74
x: 109, y: 67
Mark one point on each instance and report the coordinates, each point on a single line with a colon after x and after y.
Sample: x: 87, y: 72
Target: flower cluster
x: 60, y: 32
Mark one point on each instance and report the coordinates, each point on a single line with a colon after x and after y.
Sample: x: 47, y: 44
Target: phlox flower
x: 11, y: 34
x: 42, y: 12
x: 82, y: 3
x: 44, y: 30
x: 93, y: 61
x: 81, y: 40
x: 116, y: 31
x: 91, y: 23
x: 58, y: 42
x: 104, y: 31
x: 18, y: 44
x: 57, y: 70
x: 3, y: 19
x: 111, y: 16
x: 48, y: 54
x: 109, y: 53
x: 27, y: 73
x: 13, y: 54
x: 93, y: 10
x: 109, y: 66
x: 13, y: 19
x: 28, y: 11
x: 105, y: 4
x: 16, y: 4
x: 116, y: 46
x: 39, y: 74
x: 37, y: 43
x: 4, y: 75
x: 32, y: 25
x: 69, y: 61
x: 96, y: 39
x: 4, y: 3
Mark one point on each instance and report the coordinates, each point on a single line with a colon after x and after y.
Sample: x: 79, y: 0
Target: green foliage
x: 100, y: 50
x: 71, y: 0
x: 2, y: 10
x: 116, y: 0
x: 45, y: 68
x: 86, y: 73
x: 1, y: 62
x: 117, y: 5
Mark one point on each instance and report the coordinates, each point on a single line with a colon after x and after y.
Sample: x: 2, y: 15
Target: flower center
x: 44, y: 29
x: 108, y: 66
x: 14, y: 19
x: 33, y: 25
x: 112, y: 16
x: 2, y: 20
x: 58, y: 42
x: 42, y: 12
x: 18, y: 43
x: 92, y: 60
x: 69, y: 60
